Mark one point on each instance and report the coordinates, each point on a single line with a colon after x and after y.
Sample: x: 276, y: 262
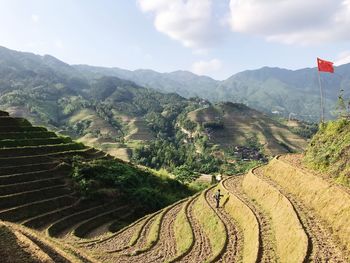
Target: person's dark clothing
x: 217, y: 197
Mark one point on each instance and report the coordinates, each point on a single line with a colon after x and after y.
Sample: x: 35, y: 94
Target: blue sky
x: 212, y: 37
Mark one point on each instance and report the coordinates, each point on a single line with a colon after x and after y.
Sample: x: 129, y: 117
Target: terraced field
x: 35, y: 191
x: 238, y: 123
x: 261, y: 219
x: 280, y: 212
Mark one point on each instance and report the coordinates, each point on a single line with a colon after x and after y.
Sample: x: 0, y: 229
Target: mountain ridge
x: 121, y: 117
x: 269, y: 89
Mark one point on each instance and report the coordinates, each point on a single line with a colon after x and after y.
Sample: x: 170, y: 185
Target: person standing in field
x: 217, y: 197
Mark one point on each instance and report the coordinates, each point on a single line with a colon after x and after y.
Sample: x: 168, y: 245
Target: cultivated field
x: 280, y: 212
x: 239, y: 123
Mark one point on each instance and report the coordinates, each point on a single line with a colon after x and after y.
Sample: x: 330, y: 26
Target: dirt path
x: 117, y: 242
x: 201, y: 249
x: 111, y: 254
x: 166, y: 245
x: 233, y: 248
x: 322, y: 246
x: 267, y: 249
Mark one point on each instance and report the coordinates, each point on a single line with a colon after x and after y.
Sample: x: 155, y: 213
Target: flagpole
x: 321, y: 95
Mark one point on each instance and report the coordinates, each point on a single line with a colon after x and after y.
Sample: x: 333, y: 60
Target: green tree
x: 184, y: 174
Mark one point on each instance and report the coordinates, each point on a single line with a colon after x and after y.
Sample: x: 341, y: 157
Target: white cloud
x: 200, y: 24
x: 343, y: 58
x: 293, y: 21
x: 192, y: 22
x: 35, y: 18
x: 203, y: 67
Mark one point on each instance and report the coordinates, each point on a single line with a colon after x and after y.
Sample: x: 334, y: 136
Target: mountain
x: 130, y: 121
x: 14, y: 64
x: 184, y: 83
x: 275, y: 90
x: 271, y: 90
x: 286, y: 91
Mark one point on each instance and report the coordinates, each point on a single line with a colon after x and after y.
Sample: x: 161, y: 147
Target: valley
x: 108, y: 172
x: 279, y: 212
x: 135, y: 123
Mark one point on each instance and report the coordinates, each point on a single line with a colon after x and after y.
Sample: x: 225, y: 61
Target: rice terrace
x: 280, y: 212
x: 154, y: 131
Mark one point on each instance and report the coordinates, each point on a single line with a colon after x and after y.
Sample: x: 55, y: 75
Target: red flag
x: 325, y: 66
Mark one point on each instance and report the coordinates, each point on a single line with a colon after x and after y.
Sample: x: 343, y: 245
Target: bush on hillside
x: 306, y: 132
x: 184, y: 174
x: 125, y: 181
x: 329, y: 150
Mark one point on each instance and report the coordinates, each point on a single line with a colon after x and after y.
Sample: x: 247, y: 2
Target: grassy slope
x: 241, y: 122
x: 183, y: 231
x: 329, y: 150
x: 97, y: 123
x: 330, y: 202
x: 247, y: 223
x: 139, y: 130
x: 291, y: 240
x: 212, y: 225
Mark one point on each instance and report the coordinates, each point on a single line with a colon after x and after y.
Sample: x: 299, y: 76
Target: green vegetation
x: 342, y: 107
x: 329, y: 150
x: 116, y: 179
x: 305, y: 129
x: 179, y: 158
x: 232, y: 143
x: 267, y: 89
x: 153, y: 234
x: 243, y: 126
x: 239, y: 167
x: 33, y: 142
x: 184, y: 157
x: 188, y: 137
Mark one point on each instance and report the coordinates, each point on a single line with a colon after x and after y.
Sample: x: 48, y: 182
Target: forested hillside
x: 142, y: 124
x: 267, y: 89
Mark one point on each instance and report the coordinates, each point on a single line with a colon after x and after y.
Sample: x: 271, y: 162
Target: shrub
x: 140, y: 187
x: 328, y: 151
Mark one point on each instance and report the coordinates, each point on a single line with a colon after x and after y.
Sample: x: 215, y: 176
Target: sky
x: 217, y: 38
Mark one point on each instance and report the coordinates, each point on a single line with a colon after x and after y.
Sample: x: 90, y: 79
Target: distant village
x: 245, y: 153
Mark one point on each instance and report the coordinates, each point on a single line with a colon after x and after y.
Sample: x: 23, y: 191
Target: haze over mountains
x: 119, y: 116
x: 267, y: 89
